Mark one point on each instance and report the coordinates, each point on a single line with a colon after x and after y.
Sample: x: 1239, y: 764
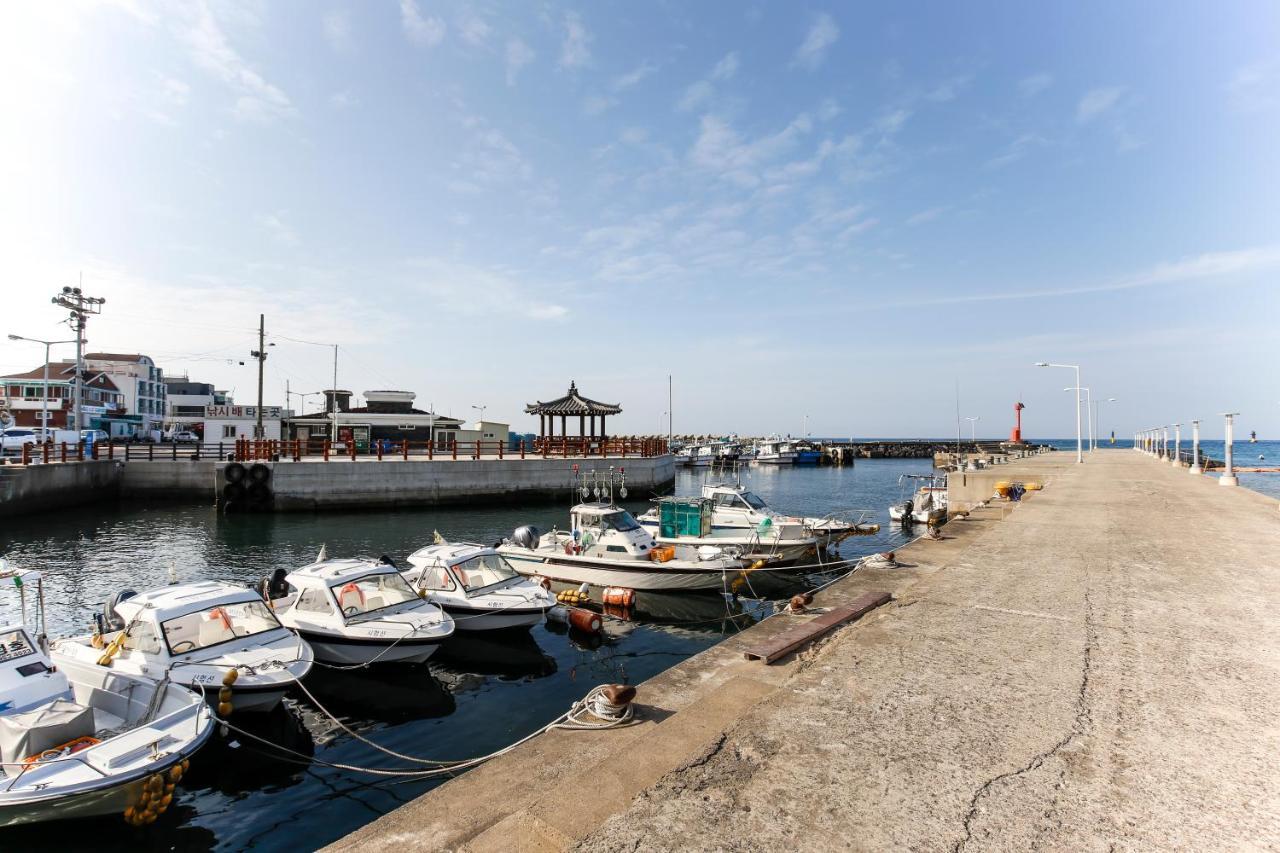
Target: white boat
x: 81, y: 740
x: 775, y: 451
x: 927, y: 504
x: 605, y: 546
x: 356, y: 612
x: 728, y: 514
x: 477, y: 586
x: 193, y: 634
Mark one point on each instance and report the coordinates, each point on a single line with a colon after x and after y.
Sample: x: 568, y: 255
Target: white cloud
x: 276, y: 228
x: 822, y: 34
x: 519, y: 55
x: 1015, y: 151
x: 695, y: 96
x: 726, y: 68
x: 891, y: 123
x: 257, y: 99
x: 424, y: 31
x: 1034, y: 84
x: 634, y: 77
x: 337, y: 29
x: 174, y: 91
x: 474, y: 30
x: 342, y: 100
x: 1097, y: 102
x: 575, y: 50
x: 950, y: 89
x: 1255, y: 88
x: 926, y: 215
x: 720, y: 150
x: 472, y: 291
x: 594, y: 105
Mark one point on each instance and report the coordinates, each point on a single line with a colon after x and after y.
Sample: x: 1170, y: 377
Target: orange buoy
x: 619, y: 596
x: 584, y: 620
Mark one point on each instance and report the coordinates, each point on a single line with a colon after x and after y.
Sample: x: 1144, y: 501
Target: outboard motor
x: 907, y: 509
x: 111, y: 620
x: 275, y: 586
x: 387, y: 561
x: 527, y: 536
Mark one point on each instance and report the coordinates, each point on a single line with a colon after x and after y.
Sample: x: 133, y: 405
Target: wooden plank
x: 788, y: 641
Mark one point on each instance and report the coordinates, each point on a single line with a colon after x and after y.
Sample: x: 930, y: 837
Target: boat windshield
x: 753, y: 501
x: 372, y: 592
x: 484, y: 570
x: 204, y: 628
x: 621, y: 520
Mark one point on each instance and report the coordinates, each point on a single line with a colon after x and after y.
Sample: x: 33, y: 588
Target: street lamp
x: 1088, y: 413
x: 480, y: 409
x: 972, y: 422
x: 44, y: 406
x: 1076, y: 368
x: 1097, y: 408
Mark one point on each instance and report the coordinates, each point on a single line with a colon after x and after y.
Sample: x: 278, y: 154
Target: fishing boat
x: 729, y: 514
x: 775, y: 451
x: 807, y: 453
x: 81, y: 740
x: 477, y: 586
x: 926, y: 505
x: 358, y: 612
x: 193, y: 634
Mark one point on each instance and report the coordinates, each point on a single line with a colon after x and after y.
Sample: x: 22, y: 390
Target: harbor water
x: 475, y: 696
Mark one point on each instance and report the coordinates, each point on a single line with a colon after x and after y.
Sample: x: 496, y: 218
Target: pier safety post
x: 1195, y: 447
x: 1164, y: 442
x: 1177, y: 441
x: 1229, y: 475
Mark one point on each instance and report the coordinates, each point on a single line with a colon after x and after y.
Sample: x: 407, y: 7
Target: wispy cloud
x: 1255, y: 88
x: 926, y: 215
x: 337, y: 30
x: 594, y: 105
x: 575, y: 50
x: 519, y: 55
x: 949, y: 89
x: 1205, y: 267
x: 1034, y: 84
x: 277, y: 229
x: 427, y: 31
x: 702, y: 92
x: 474, y: 30
x: 720, y: 150
x: 1016, y: 150
x: 634, y: 77
x: 822, y: 34
x: 342, y: 100
x: 473, y: 291
x: 892, y: 122
x: 726, y: 68
x: 1097, y: 102
x: 256, y: 99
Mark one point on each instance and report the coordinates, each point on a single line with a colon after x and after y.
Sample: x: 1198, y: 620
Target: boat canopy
x: 173, y: 601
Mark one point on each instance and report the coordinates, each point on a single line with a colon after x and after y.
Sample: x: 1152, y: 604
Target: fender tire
x: 232, y: 492
x: 233, y: 473
x: 259, y: 473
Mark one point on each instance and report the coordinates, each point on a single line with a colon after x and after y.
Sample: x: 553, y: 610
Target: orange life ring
x: 220, y: 613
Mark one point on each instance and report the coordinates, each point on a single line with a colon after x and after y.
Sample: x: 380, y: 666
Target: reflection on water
x: 479, y: 693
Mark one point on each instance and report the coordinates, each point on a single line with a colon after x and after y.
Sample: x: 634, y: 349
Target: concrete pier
x: 1092, y: 669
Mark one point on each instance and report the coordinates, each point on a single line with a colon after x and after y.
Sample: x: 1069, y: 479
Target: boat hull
x: 644, y: 576
x: 478, y: 619
x: 336, y: 649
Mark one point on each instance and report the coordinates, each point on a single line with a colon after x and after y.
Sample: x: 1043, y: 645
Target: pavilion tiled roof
x: 572, y: 403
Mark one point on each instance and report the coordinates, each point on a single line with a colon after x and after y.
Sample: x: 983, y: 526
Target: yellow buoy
x: 230, y: 678
x: 1032, y: 486
x: 224, y: 709
x: 1002, y: 488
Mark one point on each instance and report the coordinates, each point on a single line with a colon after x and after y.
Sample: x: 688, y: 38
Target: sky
x: 805, y: 214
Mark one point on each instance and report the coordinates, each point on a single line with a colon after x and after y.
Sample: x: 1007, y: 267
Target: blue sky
x: 793, y: 208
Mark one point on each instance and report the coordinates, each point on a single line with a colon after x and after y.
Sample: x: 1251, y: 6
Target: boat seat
x: 23, y: 735
x: 374, y: 602
x: 212, y: 631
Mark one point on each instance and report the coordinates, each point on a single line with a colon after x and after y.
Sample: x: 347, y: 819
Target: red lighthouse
x: 1015, y: 437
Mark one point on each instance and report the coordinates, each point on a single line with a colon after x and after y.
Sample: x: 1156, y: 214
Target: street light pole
x: 1228, y: 477
x: 44, y: 396
x: 1079, y: 441
x: 1177, y: 441
x: 972, y: 425
x: 1195, y: 447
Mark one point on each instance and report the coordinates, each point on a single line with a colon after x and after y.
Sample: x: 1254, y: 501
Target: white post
x: 1195, y: 447
x: 1177, y: 440
x: 1228, y: 477
x: 1164, y: 442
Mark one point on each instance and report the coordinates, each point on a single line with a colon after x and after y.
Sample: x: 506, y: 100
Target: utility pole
x: 670, y: 414
x: 81, y: 307
x: 261, y: 355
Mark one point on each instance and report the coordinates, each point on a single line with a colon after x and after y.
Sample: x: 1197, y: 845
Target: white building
x: 230, y: 422
x: 188, y: 401
x: 140, y: 382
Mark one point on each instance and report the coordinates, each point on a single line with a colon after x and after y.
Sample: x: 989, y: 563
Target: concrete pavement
x: 1098, y: 670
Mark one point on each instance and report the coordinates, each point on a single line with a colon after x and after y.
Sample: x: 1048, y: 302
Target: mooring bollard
x: 1177, y: 441
x: 1228, y: 475
x: 1195, y: 447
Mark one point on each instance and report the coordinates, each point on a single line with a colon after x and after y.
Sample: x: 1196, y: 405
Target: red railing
x: 284, y: 450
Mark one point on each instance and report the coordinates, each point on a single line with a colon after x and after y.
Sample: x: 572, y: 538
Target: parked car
x: 186, y: 437
x: 12, y: 440
x: 97, y: 436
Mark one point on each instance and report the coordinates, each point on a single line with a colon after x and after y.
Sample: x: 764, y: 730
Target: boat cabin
x: 345, y: 588
x: 601, y: 529
x: 185, y: 618
x: 462, y: 566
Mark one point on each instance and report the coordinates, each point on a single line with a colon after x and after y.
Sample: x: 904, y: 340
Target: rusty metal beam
x: 788, y: 641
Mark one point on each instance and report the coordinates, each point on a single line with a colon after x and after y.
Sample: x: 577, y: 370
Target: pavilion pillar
x: 564, y: 427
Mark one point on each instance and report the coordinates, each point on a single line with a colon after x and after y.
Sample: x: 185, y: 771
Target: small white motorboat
x: 775, y: 451
x: 927, y: 505
x: 357, y: 612
x: 477, y: 586
x: 193, y: 634
x: 81, y: 740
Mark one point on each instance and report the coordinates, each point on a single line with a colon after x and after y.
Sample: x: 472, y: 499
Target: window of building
x: 228, y: 430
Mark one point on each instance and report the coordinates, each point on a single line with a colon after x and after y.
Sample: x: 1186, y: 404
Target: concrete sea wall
x: 36, y: 488
x: 301, y: 486
x: 182, y: 478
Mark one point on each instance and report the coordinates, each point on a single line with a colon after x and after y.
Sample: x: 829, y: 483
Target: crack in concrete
x: 1081, y: 723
